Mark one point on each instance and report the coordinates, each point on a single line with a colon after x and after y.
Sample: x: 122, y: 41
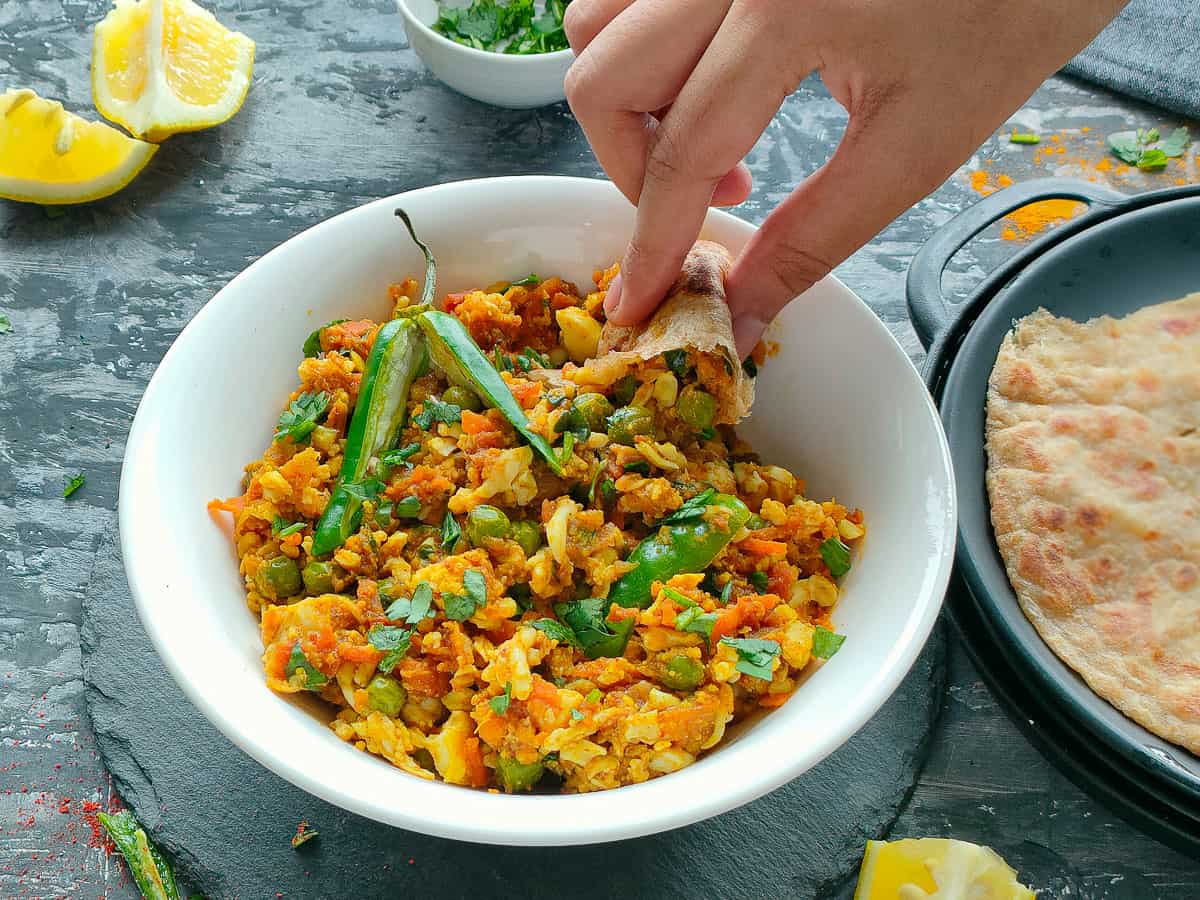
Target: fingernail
x: 612, y: 299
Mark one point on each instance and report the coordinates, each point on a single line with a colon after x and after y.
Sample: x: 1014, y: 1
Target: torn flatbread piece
x: 1093, y: 444
x: 693, y: 318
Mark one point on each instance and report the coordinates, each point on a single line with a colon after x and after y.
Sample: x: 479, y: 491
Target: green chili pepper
x: 672, y: 550
x: 150, y: 871
x: 396, y: 356
x: 515, y: 776
x: 458, y: 356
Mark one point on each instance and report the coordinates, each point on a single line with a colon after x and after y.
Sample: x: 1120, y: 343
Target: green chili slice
x: 150, y: 870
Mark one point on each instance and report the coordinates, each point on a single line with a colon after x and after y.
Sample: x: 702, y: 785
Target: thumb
x: 878, y: 171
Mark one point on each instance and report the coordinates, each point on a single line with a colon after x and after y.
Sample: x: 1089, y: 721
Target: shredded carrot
x: 477, y: 773
x: 359, y: 653
x: 233, y: 505
x: 762, y: 547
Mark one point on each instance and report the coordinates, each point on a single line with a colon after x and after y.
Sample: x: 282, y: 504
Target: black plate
x: 1123, y: 253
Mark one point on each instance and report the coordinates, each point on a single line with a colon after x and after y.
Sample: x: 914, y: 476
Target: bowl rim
x: 513, y: 60
x: 651, y: 815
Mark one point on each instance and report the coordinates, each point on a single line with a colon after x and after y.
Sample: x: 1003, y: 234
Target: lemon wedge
x: 160, y: 67
x: 928, y: 868
x: 51, y: 156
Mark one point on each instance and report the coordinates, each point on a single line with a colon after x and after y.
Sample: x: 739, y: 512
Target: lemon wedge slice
x: 928, y: 868
x: 51, y: 156
x: 160, y: 67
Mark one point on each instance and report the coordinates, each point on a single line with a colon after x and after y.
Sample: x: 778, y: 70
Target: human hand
x: 672, y: 94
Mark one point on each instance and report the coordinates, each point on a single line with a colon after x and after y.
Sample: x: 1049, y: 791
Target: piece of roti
x: 1093, y: 444
x: 694, y: 316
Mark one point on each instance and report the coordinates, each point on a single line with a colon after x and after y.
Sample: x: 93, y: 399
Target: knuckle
x: 796, y: 268
x: 579, y: 83
x: 579, y: 24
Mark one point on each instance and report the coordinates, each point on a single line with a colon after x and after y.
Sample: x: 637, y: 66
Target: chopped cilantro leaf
x: 461, y: 607
x: 302, y: 671
x: 367, y: 489
x: 641, y: 467
x: 401, y: 456
x: 755, y: 656
x: 5, y: 325
x: 692, y: 509
x: 302, y: 416
x: 836, y: 556
x: 608, y: 490
x: 74, y: 483
x: 408, y: 508
x: 434, y: 410
x: 586, y: 618
x: 281, y: 528
x: 393, y: 641
x: 1176, y: 143
x: 576, y: 715
x: 677, y: 362
x: 312, y: 344
x: 451, y: 532
x: 826, y: 643
x: 556, y: 631
x: 500, y: 704
x: 759, y: 580
x: 1151, y: 160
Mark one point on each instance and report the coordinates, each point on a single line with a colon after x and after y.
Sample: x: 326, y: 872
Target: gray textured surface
x: 340, y: 112
x: 227, y: 820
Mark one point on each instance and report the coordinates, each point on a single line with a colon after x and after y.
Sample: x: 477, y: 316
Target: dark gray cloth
x: 1150, y: 51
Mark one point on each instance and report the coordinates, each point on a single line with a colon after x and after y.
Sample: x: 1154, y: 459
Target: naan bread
x: 1093, y: 442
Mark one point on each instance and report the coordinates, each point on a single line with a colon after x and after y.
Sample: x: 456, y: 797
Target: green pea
x: 628, y: 422
x: 318, y: 577
x: 515, y: 776
x: 486, y: 522
x: 696, y: 407
x: 624, y: 389
x: 683, y: 673
x: 279, y: 577
x: 528, y: 535
x: 386, y: 695
x: 462, y: 398
x: 593, y: 410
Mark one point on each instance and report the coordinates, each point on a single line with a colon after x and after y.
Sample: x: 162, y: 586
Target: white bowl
x: 841, y: 405
x: 516, y: 82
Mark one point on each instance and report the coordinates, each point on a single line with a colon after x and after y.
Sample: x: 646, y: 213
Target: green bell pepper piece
x: 686, y: 547
x: 396, y: 356
x: 459, y: 357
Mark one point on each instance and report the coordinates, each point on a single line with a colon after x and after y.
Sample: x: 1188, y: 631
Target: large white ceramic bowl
x: 516, y: 82
x: 841, y: 405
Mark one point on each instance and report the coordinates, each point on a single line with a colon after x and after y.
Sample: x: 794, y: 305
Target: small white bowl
x: 840, y: 405
x: 515, y: 82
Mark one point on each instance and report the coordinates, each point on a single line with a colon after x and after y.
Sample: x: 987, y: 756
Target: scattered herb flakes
x: 302, y: 416
x: 422, y: 604
x: 576, y: 715
x: 759, y: 580
x: 1144, y: 149
x: 73, y: 484
x: 434, y: 410
x: 826, y: 642
x: 5, y: 325
x: 696, y: 620
x: 755, y: 656
x: 280, y: 527
x: 401, y: 456
x: 302, y: 671
x: 451, y: 532
x: 1024, y: 137
x: 392, y: 641
x: 692, y: 509
x: 303, y: 835
x: 529, y: 280
x: 150, y: 870
x: 586, y: 619
x: 836, y: 556
x: 461, y: 607
x: 500, y: 703
x: 556, y: 631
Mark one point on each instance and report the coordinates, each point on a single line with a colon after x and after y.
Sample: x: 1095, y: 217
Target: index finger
x: 723, y: 108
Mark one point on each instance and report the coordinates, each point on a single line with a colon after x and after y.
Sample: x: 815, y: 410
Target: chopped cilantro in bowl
x: 519, y: 27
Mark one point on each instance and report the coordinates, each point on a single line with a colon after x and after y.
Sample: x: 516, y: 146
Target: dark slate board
x: 227, y: 821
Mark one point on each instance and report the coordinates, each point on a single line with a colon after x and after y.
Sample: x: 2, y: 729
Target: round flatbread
x: 1093, y: 444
